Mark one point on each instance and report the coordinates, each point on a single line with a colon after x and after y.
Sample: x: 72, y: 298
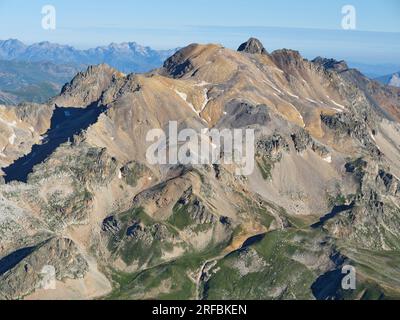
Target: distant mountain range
x: 127, y: 57
x: 375, y: 70
x: 37, y: 72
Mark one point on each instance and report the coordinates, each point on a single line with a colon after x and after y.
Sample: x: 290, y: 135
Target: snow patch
x: 328, y: 159
x: 9, y: 124
x: 372, y: 137
x: 11, y: 139
x: 298, y: 112
x: 338, y: 104
x: 292, y: 95
x: 183, y: 96
x: 205, y: 100
x: 272, y: 86
x: 311, y: 100
x: 202, y: 84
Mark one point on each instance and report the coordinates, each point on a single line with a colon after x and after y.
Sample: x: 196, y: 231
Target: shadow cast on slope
x: 65, y: 123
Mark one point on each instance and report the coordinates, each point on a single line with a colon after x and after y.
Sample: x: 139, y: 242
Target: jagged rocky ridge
x: 324, y: 192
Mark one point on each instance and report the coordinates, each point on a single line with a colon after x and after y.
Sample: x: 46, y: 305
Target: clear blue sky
x: 172, y: 23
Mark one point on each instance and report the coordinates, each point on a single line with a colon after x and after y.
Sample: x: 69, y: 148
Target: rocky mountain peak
x: 395, y: 80
x: 288, y: 59
x: 91, y: 72
x: 86, y: 87
x: 287, y: 54
x: 12, y: 43
x: 253, y: 46
x: 180, y: 63
x: 390, y: 80
x: 11, y: 48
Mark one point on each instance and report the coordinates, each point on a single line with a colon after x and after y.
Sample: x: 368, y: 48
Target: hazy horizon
x: 355, y: 47
x: 313, y: 28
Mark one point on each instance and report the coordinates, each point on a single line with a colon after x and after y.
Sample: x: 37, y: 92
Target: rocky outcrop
x: 348, y: 124
x: 287, y: 59
x: 240, y: 114
x: 178, y: 64
x: 272, y: 147
x: 331, y: 64
x: 132, y: 172
x: 87, y: 87
x: 252, y: 46
x: 373, y: 220
x: 111, y: 225
x: 302, y: 140
x: 391, y: 183
x: 197, y: 211
x: 137, y: 240
x: 30, y: 268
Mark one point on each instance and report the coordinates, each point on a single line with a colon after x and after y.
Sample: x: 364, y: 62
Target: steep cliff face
x: 324, y: 190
